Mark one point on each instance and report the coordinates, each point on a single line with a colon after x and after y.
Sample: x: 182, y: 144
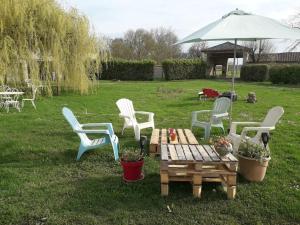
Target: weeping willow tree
x: 43, y: 39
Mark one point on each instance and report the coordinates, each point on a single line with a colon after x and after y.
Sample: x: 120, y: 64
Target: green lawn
x: 41, y: 183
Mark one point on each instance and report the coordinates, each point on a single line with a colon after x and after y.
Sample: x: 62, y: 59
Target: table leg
x: 164, y: 180
x: 231, y: 192
x: 197, y: 185
x: 231, y: 186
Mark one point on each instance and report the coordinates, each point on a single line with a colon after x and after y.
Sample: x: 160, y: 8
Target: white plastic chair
x: 87, y: 144
x: 217, y: 114
x: 28, y: 82
x: 266, y: 126
x: 34, y: 91
x: 12, y: 100
x: 128, y: 113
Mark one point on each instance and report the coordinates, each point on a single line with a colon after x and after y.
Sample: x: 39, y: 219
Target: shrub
x: 254, y: 72
x: 285, y: 73
x: 119, y: 69
x: 181, y: 69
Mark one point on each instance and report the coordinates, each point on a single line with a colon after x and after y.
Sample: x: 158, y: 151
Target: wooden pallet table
x: 161, y: 136
x: 197, y: 164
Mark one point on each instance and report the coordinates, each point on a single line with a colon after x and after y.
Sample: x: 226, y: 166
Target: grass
x: 41, y: 183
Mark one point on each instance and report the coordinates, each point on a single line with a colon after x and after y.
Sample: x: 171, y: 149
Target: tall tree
x: 156, y: 44
x: 164, y: 44
x: 195, y: 51
x: 257, y: 48
x: 140, y: 42
x: 35, y: 31
x: 119, y: 49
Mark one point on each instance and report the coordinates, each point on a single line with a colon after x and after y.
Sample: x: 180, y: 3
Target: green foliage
x: 132, y: 155
x: 34, y: 31
x: 285, y: 73
x: 182, y: 69
x: 120, y: 69
x: 156, y: 44
x: 254, y: 151
x: 254, y: 72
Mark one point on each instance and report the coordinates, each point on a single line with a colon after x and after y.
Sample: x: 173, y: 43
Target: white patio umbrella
x: 242, y: 26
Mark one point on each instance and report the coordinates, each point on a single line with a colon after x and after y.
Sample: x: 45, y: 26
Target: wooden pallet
x: 197, y: 164
x: 161, y: 137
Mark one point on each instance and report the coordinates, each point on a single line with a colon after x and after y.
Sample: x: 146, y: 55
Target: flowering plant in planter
x: 132, y: 155
x: 253, y: 160
x: 254, y: 151
x: 132, y: 161
x: 222, y: 145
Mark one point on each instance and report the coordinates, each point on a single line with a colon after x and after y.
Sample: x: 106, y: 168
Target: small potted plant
x: 223, y: 146
x: 253, y: 160
x: 132, y: 161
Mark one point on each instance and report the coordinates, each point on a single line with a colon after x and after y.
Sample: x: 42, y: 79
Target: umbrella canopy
x: 239, y: 25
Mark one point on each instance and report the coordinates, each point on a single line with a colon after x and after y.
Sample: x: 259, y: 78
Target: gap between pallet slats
x: 180, y: 153
x: 203, y: 153
x: 211, y: 153
x: 195, y: 153
x: 173, y: 152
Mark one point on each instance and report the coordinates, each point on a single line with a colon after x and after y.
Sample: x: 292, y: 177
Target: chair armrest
x: 246, y: 123
x: 221, y: 115
x: 195, y: 114
x: 124, y: 116
x: 95, y: 124
x: 262, y: 129
x: 142, y: 112
x: 108, y: 125
x: 151, y: 114
x: 81, y: 131
x: 233, y: 125
x: 201, y: 111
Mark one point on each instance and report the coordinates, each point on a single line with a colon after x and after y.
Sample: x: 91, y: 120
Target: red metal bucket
x: 132, y: 170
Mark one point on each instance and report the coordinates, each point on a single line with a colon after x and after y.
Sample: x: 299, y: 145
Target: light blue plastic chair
x: 87, y: 144
x: 217, y: 114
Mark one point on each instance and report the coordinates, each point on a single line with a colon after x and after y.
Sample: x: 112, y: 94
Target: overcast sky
x: 114, y: 17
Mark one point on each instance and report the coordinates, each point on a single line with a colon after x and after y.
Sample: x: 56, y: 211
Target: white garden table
x: 11, y: 93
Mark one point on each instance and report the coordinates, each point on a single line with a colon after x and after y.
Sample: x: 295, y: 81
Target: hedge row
x: 119, y: 69
x: 254, y: 72
x: 287, y: 74
x: 182, y: 69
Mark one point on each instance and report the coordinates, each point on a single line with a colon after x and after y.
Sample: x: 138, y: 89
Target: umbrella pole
x: 232, y: 81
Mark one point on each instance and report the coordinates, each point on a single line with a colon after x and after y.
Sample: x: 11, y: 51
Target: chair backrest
x: 28, y: 82
x: 3, y: 87
x: 14, y: 97
x: 70, y: 117
x: 221, y: 105
x: 270, y: 120
x: 126, y: 108
x: 68, y: 114
x: 273, y: 116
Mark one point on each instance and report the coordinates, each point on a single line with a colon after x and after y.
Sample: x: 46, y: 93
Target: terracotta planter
x: 132, y: 171
x: 252, y: 169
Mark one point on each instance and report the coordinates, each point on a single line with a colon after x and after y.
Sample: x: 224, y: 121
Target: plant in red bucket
x: 132, y: 161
